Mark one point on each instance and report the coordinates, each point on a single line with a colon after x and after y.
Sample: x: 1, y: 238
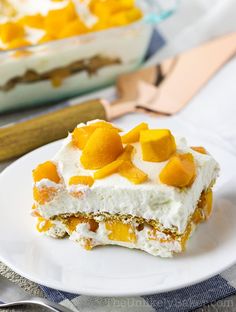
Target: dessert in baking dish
x: 143, y: 189
x: 29, y: 22
x: 50, y: 50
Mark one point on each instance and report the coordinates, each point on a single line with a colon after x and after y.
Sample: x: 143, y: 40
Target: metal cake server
x: 14, y: 295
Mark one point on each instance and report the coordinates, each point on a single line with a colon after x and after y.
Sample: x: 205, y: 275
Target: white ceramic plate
x: 111, y: 271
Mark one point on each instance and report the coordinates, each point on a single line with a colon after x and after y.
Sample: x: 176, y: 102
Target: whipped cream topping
x: 116, y: 195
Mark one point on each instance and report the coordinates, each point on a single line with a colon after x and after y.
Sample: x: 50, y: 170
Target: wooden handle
x: 20, y: 138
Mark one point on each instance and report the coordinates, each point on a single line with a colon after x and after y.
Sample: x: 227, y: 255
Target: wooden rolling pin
x: 30, y: 134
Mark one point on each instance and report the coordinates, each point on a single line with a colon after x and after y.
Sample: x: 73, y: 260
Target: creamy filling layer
x: 90, y: 232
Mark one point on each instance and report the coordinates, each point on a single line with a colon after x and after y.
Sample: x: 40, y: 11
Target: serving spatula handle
x: 20, y: 138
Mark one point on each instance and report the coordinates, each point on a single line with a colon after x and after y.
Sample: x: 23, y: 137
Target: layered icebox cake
x: 143, y: 189
x: 50, y: 50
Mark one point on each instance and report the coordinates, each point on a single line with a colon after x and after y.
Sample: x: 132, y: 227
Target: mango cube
x: 133, y: 135
x: 180, y: 171
x: 85, y: 180
x: 103, y: 147
x: 120, y: 231
x: 157, y: 145
x: 57, y: 20
x: 81, y: 135
x: 132, y: 173
x: 47, y: 170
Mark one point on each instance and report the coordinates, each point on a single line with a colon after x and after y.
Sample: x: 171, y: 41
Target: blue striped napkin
x: 185, y: 299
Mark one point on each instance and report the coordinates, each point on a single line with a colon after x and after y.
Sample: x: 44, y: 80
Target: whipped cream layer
x: 114, y: 194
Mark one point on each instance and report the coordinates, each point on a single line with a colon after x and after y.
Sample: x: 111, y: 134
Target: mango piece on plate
x: 119, y: 231
x: 85, y: 180
x: 157, y: 144
x: 81, y: 135
x: 11, y: 31
x: 108, y: 169
x: 180, y: 171
x: 199, y: 149
x: 103, y: 147
x: 47, y: 170
x: 133, y: 135
x: 132, y: 173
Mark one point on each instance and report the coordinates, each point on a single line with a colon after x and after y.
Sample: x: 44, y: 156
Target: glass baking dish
x: 50, y: 72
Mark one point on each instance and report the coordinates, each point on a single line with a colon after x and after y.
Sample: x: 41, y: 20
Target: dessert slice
x: 143, y: 189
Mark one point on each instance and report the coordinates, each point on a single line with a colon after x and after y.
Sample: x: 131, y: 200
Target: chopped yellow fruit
x: 34, y: 21
x: 11, y: 31
x: 108, y: 169
x: 132, y: 173
x: 103, y: 146
x: 43, y: 225
x: 119, y: 231
x: 73, y: 28
x: 199, y: 149
x: 81, y: 135
x: 127, y: 153
x: 133, y: 14
x: 119, y: 19
x: 133, y: 135
x: 85, y: 180
x: 157, y: 145
x: 57, y: 20
x: 47, y: 170
x: 72, y: 222
x: 44, y: 194
x: 18, y: 43
x: 180, y: 171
